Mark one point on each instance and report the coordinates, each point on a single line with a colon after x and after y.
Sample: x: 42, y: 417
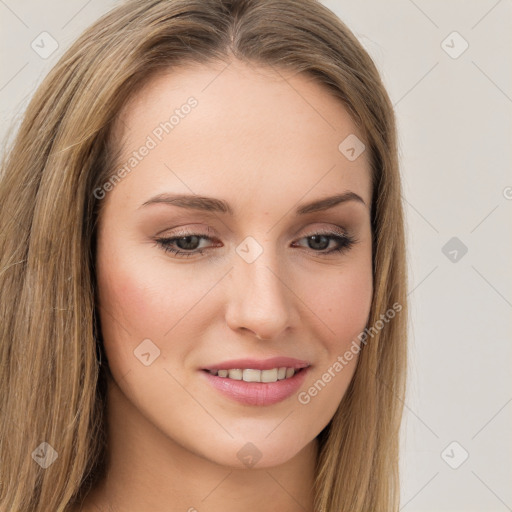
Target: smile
x: 252, y: 375
x: 249, y: 387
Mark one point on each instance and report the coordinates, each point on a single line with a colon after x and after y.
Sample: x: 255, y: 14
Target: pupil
x: 315, y: 241
x: 186, y: 240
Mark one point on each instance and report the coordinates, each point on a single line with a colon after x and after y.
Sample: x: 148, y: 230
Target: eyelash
x: 345, y: 242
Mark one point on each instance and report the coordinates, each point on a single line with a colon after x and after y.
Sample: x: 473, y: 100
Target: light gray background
x: 454, y: 118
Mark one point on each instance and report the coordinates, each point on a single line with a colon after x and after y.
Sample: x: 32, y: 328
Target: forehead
x: 255, y: 128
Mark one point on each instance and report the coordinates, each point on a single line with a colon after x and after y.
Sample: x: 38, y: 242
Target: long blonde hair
x: 52, y: 385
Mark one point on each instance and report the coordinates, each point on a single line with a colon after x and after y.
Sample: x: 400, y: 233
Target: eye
x: 188, y: 244
x: 319, y: 242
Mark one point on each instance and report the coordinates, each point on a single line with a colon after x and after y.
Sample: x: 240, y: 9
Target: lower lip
x: 257, y: 393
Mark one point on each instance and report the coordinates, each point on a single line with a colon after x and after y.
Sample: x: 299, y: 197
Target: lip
x: 257, y: 393
x: 262, y: 364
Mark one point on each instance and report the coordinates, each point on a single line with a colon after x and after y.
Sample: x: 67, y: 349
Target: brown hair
x: 52, y: 386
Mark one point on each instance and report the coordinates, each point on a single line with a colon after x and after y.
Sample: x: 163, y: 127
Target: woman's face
x: 257, y: 275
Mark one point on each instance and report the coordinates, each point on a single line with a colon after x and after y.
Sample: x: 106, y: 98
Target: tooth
x: 235, y: 374
x: 269, y: 375
x: 289, y: 372
x: 251, y: 375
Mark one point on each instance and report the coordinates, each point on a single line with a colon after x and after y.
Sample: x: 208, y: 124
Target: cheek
x: 140, y: 298
x: 342, y: 301
x: 132, y: 307
x: 124, y: 297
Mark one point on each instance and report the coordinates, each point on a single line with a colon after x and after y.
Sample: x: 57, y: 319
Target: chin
x: 257, y: 454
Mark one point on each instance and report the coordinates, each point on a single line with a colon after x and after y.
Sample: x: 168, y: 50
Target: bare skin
x: 266, y: 142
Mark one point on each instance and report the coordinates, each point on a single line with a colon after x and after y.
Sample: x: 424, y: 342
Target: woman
x: 203, y: 268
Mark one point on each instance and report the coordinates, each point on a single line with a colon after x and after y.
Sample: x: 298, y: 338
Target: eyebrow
x: 211, y: 204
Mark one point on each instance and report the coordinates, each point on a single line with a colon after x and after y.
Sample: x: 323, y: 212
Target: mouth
x: 257, y: 387
x: 255, y: 375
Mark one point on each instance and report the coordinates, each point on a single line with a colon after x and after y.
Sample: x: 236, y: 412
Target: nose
x: 259, y: 299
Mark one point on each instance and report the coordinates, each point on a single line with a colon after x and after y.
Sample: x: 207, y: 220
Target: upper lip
x: 260, y: 364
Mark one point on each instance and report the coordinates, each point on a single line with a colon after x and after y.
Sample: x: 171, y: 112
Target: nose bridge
x: 258, y: 299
